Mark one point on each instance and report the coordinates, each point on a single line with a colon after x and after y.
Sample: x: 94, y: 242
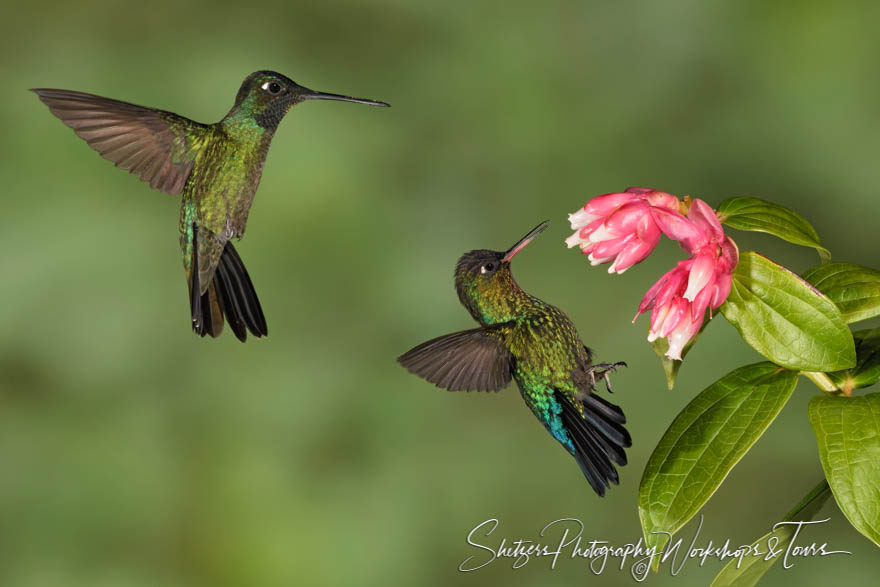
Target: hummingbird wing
x: 158, y: 146
x: 595, y: 427
x: 471, y: 360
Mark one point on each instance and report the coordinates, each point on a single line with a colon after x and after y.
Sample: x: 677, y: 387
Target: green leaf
x: 752, y: 568
x: 705, y: 441
x: 786, y: 319
x: 671, y: 366
x: 762, y: 216
x: 867, y: 370
x: 848, y: 432
x: 855, y: 289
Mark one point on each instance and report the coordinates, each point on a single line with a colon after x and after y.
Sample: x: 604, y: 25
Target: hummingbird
x: 536, y: 344
x: 216, y: 168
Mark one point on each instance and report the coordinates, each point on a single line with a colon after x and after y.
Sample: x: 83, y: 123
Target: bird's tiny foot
x: 603, y: 370
x: 228, y: 232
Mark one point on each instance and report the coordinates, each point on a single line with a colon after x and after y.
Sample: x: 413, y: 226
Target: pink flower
x: 678, y: 301
x: 623, y: 228
x: 620, y: 226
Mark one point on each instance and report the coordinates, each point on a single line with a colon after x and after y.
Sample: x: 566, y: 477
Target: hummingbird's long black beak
x: 307, y: 94
x: 524, y: 241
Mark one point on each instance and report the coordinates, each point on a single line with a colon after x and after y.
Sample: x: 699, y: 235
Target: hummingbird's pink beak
x: 512, y: 251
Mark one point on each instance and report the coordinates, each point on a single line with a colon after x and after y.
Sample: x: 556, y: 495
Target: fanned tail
x: 598, y: 438
x: 231, y: 294
x: 238, y: 298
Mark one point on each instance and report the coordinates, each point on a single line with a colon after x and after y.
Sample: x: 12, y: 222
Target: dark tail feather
x: 608, y: 410
x: 244, y: 304
x: 230, y: 295
x: 599, y: 439
x: 207, y: 317
x: 230, y: 305
x: 607, y: 419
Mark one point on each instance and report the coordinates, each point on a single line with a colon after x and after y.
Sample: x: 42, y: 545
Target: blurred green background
x: 134, y: 453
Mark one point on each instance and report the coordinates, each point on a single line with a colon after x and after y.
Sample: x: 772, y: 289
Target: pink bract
x: 678, y: 301
x: 623, y: 228
x: 619, y: 227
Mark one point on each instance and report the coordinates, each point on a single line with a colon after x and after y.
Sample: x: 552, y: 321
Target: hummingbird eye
x: 488, y: 268
x: 273, y: 88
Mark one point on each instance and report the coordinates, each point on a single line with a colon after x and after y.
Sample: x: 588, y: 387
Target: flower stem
x: 822, y: 381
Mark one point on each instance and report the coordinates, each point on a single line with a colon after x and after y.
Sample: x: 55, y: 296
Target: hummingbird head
x: 485, y: 284
x: 267, y: 96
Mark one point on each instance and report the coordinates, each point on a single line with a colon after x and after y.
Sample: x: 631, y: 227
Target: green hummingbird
x: 525, y: 338
x: 215, y: 167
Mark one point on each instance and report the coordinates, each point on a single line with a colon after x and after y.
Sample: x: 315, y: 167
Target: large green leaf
x: 855, y: 289
x: 786, y: 319
x: 867, y: 370
x: 752, y: 568
x: 762, y: 216
x: 705, y: 441
x: 848, y: 431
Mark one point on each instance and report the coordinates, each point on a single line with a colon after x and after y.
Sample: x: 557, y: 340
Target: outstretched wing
x: 472, y: 360
x: 158, y: 146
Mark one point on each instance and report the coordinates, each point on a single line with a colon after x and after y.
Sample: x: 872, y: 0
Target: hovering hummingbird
x: 525, y: 338
x: 216, y: 167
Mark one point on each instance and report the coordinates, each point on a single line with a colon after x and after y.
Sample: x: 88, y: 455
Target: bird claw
x: 603, y: 370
